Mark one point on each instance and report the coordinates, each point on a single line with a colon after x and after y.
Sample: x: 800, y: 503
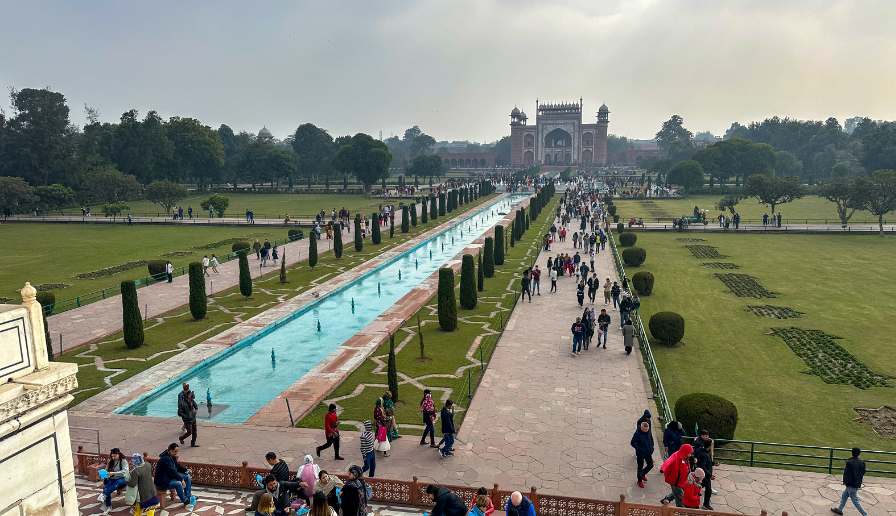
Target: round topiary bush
x: 666, y: 327
x: 242, y: 245
x: 156, y: 268
x: 627, y: 239
x: 702, y: 410
x: 643, y: 281
x: 634, y: 256
x: 611, y: 209
x: 46, y: 300
x: 616, y: 218
x: 294, y: 234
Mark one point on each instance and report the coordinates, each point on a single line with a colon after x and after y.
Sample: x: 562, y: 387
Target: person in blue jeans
x: 171, y: 475
x: 853, y: 474
x: 578, y: 333
x: 448, y: 430
x: 367, y: 451
x: 118, y: 470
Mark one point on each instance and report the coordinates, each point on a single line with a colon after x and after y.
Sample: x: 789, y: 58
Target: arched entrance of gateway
x: 558, y: 143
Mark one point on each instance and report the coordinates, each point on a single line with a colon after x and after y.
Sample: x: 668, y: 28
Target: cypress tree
x: 283, y: 266
x: 198, y: 300
x: 512, y: 233
x: 245, y: 276
x: 375, y: 237
x: 392, y: 370
x: 488, y: 261
x: 312, y: 250
x: 424, y: 212
x: 132, y: 322
x: 413, y: 210
x: 527, y: 222
x: 405, y: 223
x: 499, y: 245
x: 359, y: 243
x: 441, y: 205
x: 391, y: 225
x: 467, y: 283
x: 447, y: 303
x: 480, y: 279
x: 433, y: 207
x: 420, y: 335
x: 337, y: 241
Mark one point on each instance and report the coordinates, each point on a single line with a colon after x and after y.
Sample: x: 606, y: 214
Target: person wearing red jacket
x: 675, y: 470
x: 331, y: 431
x: 693, y: 489
x: 482, y: 502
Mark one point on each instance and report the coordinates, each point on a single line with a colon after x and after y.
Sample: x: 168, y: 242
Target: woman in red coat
x: 675, y: 471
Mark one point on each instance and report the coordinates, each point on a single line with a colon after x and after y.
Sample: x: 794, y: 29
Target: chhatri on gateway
x: 559, y: 137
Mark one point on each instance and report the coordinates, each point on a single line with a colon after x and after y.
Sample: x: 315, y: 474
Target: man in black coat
x: 642, y: 442
x: 446, y: 502
x: 853, y: 474
x: 704, y: 461
x: 447, y: 415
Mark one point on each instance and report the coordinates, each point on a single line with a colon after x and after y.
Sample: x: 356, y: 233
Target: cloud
x: 457, y: 68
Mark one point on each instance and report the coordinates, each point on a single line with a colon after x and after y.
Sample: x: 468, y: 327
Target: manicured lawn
x: 844, y: 286
x: 446, y: 367
x: 275, y: 205
x: 56, y: 253
x: 175, y: 331
x: 796, y: 212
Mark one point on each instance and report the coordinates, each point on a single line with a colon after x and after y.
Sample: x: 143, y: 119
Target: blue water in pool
x: 244, y: 378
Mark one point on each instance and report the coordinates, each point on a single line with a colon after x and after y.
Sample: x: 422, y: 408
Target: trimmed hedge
x: 467, y: 283
x: 620, y: 227
x: 132, y: 321
x: 156, y: 268
x: 447, y: 304
x: 643, y: 282
x: 242, y: 245
x: 198, y: 299
x: 375, y: 236
x: 337, y: 241
x: 245, y: 276
x: 702, y: 410
x: 499, y: 245
x: 488, y: 258
x: 480, y: 278
x: 666, y: 327
x: 405, y: 219
x: 359, y: 243
x: 627, y: 239
x: 47, y: 300
x: 634, y: 256
x: 413, y: 210
x: 312, y: 251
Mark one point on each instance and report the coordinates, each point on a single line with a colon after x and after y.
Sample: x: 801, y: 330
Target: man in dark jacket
x: 603, y: 325
x: 519, y: 505
x: 186, y: 410
x: 279, y: 491
x: 672, y: 437
x: 705, y: 462
x: 642, y: 442
x: 171, y: 475
x: 447, y: 415
x: 446, y: 502
x: 279, y: 468
x: 853, y: 473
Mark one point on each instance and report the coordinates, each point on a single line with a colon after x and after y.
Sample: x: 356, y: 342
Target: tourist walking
x: 213, y: 263
x: 331, y: 431
x: 615, y: 291
x: 117, y: 469
x: 525, y: 285
x: 693, y: 489
x: 642, y: 442
x: 593, y: 285
x: 607, y: 291
x: 676, y: 469
x: 367, y: 452
x: 536, y: 281
x: 306, y: 476
x: 205, y: 264
x: 428, y: 412
x: 448, y: 429
x: 853, y: 473
x: 603, y: 326
x: 705, y: 463
x: 553, y: 280
x: 672, y: 437
x: 171, y: 475
x: 186, y: 411
x: 580, y: 293
x: 382, y: 428
x: 141, y: 477
x: 628, y: 335
x: 169, y: 271
x: 578, y: 333
x: 389, y: 409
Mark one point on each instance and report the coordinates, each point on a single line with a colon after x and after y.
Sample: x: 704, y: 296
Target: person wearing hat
x: 141, y: 478
x: 355, y: 493
x: 117, y: 478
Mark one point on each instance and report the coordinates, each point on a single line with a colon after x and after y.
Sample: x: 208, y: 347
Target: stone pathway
x: 540, y: 418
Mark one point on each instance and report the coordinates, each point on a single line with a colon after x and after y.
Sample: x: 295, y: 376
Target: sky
x: 456, y: 67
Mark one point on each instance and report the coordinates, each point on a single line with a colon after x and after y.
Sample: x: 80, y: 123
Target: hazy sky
x: 456, y: 67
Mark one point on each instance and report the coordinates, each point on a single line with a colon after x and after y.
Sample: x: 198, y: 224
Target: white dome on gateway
x: 559, y: 138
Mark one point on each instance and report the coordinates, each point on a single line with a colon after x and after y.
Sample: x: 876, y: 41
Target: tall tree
x: 368, y: 159
x: 54, y: 197
x: 502, y: 151
x: 315, y: 150
x: 132, y: 321
x: 16, y: 195
x: 197, y: 151
x: 38, y: 138
x: 359, y: 243
x: 467, y: 283
x: 674, y: 140
x: 245, y: 275
x: 312, y: 249
x: 447, y: 303
x: 337, y: 240
x: 847, y: 195
x: 108, y: 185
x: 198, y: 299
x: 392, y: 370
x: 879, y: 194
x: 165, y: 193
x: 772, y: 190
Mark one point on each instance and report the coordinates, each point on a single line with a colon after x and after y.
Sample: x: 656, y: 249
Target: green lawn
x: 56, y: 253
x: 796, y: 212
x: 841, y: 283
x: 446, y: 352
x: 175, y: 331
x: 274, y: 205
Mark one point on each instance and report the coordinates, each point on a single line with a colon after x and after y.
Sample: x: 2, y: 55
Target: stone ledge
x: 37, y: 395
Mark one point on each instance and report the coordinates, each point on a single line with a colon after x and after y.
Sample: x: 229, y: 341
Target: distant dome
x: 265, y: 133
x: 523, y: 115
x: 603, y: 109
x: 515, y: 111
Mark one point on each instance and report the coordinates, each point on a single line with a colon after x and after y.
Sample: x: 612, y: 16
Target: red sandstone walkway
x: 540, y: 418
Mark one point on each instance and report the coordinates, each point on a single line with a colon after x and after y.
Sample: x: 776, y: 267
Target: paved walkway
x: 540, y: 418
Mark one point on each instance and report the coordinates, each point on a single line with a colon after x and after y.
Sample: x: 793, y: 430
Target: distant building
x: 637, y: 150
x: 465, y: 155
x: 558, y: 137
